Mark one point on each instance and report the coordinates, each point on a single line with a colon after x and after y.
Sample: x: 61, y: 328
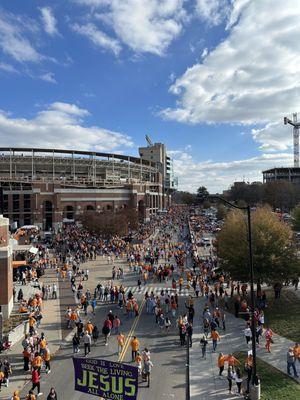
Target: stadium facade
x: 46, y: 187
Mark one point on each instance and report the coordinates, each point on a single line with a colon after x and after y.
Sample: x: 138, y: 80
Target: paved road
x: 169, y: 359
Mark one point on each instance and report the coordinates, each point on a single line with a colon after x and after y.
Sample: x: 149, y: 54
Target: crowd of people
x: 161, y: 253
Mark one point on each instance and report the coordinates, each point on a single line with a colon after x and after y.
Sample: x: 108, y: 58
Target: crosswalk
x: 157, y: 290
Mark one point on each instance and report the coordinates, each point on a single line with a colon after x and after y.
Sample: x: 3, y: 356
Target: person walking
x: 16, y: 395
x: 76, y: 342
x: 269, y: 339
x: 215, y: 337
x: 95, y: 334
x: 87, y: 341
x: 106, y: 329
x: 221, y: 363
x: 189, y: 331
x: 35, y: 378
x: 116, y: 324
x: 147, y: 370
x: 121, y: 342
x: 167, y: 324
x: 26, y: 358
x: 237, y: 376
x: 52, y: 394
x: 30, y: 396
x: 230, y: 378
x: 248, y: 334
x: 47, y: 358
x: 135, y: 344
x: 290, y: 359
x: 203, y: 344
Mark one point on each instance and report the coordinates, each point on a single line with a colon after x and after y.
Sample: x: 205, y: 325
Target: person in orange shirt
x: 37, y: 362
x: 73, y: 317
x: 30, y: 396
x: 215, y: 337
x: 16, y: 395
x: 1, y: 378
x: 89, y: 327
x: 47, y: 358
x: 43, y: 344
x: 121, y: 342
x: 23, y: 309
x: 135, y: 344
x: 221, y: 362
x: 232, y: 361
x: 296, y: 350
x: 31, y: 321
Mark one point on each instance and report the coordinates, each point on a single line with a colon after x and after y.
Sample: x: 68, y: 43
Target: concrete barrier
x: 18, y: 332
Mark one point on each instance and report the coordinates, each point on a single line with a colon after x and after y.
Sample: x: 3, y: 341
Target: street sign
x: 107, y: 379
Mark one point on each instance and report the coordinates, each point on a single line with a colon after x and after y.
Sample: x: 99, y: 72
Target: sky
x: 212, y: 79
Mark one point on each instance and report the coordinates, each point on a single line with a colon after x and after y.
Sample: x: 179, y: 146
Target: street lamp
x: 253, y: 327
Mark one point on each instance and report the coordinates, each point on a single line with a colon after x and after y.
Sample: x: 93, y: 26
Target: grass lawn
x: 275, y: 385
x: 282, y: 315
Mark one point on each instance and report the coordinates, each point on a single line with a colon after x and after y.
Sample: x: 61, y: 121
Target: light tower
x: 296, y: 126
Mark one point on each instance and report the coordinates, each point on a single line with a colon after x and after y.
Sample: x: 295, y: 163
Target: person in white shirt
x: 248, y: 335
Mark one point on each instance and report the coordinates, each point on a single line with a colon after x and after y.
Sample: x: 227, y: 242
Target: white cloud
x: 99, y: 38
x: 62, y: 126
x: 213, y: 11
x: 146, y: 26
x: 217, y: 176
x: 8, y: 68
x: 49, y: 21
x: 48, y: 77
x: 274, y: 136
x: 204, y: 53
x: 13, y: 41
x: 252, y: 76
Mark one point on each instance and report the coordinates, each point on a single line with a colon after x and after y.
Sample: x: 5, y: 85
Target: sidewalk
x: 205, y: 384
x: 51, y: 326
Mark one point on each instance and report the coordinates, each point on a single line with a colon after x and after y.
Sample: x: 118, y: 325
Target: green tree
x: 206, y: 204
x: 221, y: 211
x: 187, y: 198
x: 108, y: 224
x: 202, y: 194
x: 274, y: 255
x: 280, y: 194
x: 296, y: 216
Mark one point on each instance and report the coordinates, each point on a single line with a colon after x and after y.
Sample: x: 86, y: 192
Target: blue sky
x: 210, y: 78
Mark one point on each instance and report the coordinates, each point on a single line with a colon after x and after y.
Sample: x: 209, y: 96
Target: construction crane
x: 296, y: 126
x: 149, y: 141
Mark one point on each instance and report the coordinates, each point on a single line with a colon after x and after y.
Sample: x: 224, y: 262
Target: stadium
x: 46, y: 187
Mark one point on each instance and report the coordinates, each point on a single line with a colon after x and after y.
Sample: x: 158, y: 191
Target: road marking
x: 158, y: 289
x: 130, y: 333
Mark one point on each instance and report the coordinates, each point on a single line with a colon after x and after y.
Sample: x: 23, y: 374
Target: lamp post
x: 253, y: 327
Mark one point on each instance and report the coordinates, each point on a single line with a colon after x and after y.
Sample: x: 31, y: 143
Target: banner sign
x: 107, y: 379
